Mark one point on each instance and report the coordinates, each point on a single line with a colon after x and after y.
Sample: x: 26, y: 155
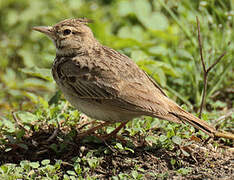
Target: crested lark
x: 105, y: 84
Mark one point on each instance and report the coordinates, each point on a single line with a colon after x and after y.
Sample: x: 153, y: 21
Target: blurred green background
x: 159, y: 35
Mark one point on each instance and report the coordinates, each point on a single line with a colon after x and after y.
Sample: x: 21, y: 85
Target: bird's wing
x: 135, y: 87
x: 114, y: 78
x: 76, y: 75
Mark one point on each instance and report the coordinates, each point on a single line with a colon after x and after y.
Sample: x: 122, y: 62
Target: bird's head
x: 70, y: 35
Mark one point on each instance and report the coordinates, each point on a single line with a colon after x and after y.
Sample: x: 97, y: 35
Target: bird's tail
x: 178, y: 115
x: 195, y: 122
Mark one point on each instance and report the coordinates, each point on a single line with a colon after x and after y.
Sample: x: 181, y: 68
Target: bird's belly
x: 96, y: 110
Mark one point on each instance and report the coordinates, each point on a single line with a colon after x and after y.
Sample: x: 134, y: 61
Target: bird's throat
x: 64, y: 51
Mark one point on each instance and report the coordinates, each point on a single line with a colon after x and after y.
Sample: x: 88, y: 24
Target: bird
x: 105, y: 84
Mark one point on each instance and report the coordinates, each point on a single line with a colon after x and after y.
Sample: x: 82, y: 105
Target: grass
x: 161, y: 37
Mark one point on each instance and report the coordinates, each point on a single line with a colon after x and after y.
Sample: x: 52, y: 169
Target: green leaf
x: 45, y: 162
x: 27, y: 117
x: 27, y: 57
x: 119, y: 146
x: 185, y: 54
x: 173, y: 161
x: 57, y: 165
x: 7, y: 123
x: 32, y: 96
x: 159, y: 75
x: 71, y: 173
x: 74, y: 4
x: 185, y: 153
x: 35, y: 83
x: 78, y: 168
x: 158, y: 50
x: 125, y: 8
x: 34, y: 164
x: 177, y: 140
x: 134, y: 174
x: 142, y: 8
x: 109, y: 129
x: 151, y: 20
x: 129, y: 149
x: 138, y: 55
x: 38, y: 72
x: 155, y: 21
x: 162, y: 138
x: 184, y: 171
x: 132, y: 32
x: 151, y: 139
x: 8, y: 149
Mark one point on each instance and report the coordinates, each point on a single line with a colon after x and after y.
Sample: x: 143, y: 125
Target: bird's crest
x: 74, y: 22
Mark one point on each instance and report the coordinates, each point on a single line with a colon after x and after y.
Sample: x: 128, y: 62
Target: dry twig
x: 18, y: 123
x: 205, y: 76
x: 205, y: 70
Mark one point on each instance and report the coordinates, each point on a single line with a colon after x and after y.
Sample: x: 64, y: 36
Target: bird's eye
x: 66, y: 32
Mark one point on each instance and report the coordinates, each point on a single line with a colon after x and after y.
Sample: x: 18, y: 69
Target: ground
x: 195, y: 159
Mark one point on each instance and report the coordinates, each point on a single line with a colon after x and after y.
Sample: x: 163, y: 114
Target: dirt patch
x: 202, y: 161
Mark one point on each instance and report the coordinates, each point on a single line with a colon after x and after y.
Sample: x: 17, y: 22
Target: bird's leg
x: 91, y: 130
x: 113, y: 133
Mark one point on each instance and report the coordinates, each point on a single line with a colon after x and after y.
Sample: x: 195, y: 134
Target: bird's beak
x: 48, y: 30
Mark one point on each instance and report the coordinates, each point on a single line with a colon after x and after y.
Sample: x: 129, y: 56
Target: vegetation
x: 161, y: 37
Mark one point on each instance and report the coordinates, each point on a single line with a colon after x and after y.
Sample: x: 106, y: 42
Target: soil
x: 201, y: 160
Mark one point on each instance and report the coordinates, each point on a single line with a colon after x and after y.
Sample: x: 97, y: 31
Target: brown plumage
x: 105, y: 84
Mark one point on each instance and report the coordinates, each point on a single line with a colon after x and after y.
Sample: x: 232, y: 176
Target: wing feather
x: 120, y: 82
